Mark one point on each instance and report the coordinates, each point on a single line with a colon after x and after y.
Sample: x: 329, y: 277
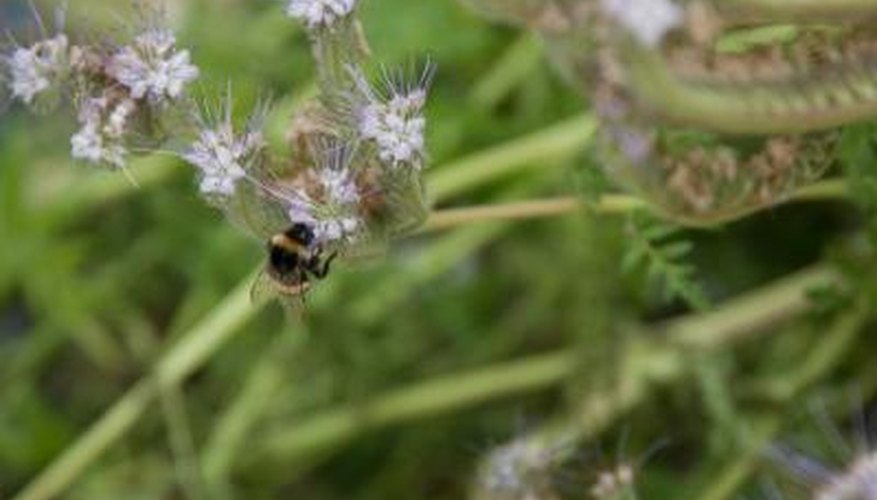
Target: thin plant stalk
x: 607, y: 204
x: 560, y: 140
x: 520, y: 60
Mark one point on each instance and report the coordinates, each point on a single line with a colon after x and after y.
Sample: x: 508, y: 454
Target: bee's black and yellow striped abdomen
x: 293, y: 259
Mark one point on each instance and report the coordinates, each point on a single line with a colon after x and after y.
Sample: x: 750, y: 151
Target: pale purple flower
x: 393, y: 119
x: 223, y: 157
x: 35, y: 69
x: 90, y: 145
x: 152, y: 67
x: 339, y: 185
x: 316, y: 13
x: 300, y: 208
x: 647, y: 20
x: 333, y: 212
x: 330, y: 223
x: 337, y: 228
x: 104, y: 125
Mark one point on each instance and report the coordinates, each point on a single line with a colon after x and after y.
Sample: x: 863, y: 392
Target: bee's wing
x: 364, y: 250
x: 263, y: 289
x: 260, y: 207
x: 409, y: 207
x: 403, y: 205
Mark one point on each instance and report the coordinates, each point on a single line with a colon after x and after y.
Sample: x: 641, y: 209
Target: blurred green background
x: 103, y: 284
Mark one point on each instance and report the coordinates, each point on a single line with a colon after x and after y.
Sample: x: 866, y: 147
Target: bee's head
x: 301, y: 233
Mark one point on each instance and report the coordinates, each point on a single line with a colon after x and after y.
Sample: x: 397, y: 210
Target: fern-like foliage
x: 659, y: 249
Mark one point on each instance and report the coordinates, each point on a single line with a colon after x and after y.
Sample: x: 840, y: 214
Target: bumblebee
x: 295, y: 259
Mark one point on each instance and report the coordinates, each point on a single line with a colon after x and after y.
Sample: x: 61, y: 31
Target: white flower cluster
x: 318, y: 13
x: 152, y: 66
x: 339, y: 185
x: 104, y: 123
x: 340, y: 228
x: 108, y: 86
x: 397, y: 127
x: 647, y: 20
x: 35, y: 69
x: 335, y: 217
x: 328, y: 225
x: 222, y: 157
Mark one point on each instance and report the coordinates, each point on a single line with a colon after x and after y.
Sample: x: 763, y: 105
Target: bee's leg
x: 324, y: 270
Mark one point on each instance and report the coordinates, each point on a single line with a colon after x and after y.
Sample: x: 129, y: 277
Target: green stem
x: 779, y: 11
x: 533, y: 151
x: 427, y: 399
x: 115, y: 423
x: 518, y: 61
x: 234, y: 425
x: 173, y: 406
x: 744, y: 111
x: 740, y: 469
x: 607, y: 204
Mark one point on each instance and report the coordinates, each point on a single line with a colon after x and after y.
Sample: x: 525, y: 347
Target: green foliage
x: 856, y: 154
x: 660, y: 249
x: 401, y: 374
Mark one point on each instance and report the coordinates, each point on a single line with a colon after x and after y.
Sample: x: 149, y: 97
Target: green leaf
x: 659, y: 249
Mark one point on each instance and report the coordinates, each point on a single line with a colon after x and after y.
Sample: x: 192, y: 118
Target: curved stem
x: 746, y: 111
x: 608, y: 204
x: 819, y: 11
x: 560, y: 140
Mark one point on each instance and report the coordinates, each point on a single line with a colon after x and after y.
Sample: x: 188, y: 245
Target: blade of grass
x: 561, y: 140
x: 520, y: 59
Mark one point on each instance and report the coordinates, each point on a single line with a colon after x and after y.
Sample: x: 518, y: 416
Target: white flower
x: 319, y: 12
x: 37, y: 68
x: 223, y: 157
x: 101, y: 138
x: 647, y: 20
x: 330, y: 222
x: 394, y: 119
x: 337, y: 229
x: 327, y: 225
x: 117, y: 121
x: 152, y: 67
x: 301, y: 209
x: 339, y: 185
x: 397, y: 127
